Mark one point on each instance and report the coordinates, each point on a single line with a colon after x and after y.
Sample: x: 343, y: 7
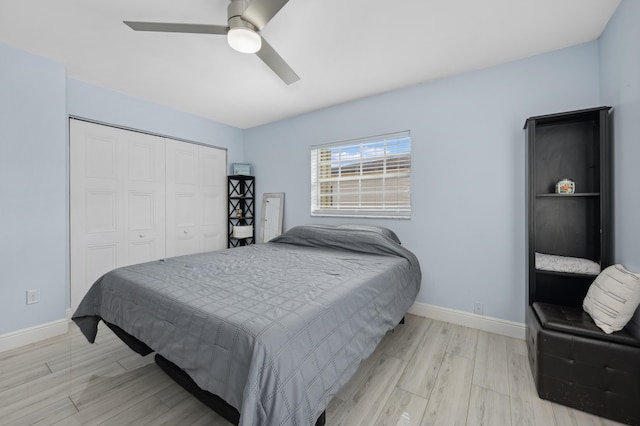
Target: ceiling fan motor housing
x: 234, y: 14
x: 238, y: 22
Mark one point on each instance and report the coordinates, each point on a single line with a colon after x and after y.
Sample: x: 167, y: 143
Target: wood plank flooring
x: 426, y: 372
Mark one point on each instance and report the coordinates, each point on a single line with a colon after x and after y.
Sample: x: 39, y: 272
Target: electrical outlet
x: 478, y: 308
x: 33, y: 296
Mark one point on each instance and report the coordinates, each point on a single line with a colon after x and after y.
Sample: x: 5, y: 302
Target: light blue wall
x: 620, y: 87
x: 103, y: 105
x: 468, y: 168
x: 33, y: 201
x: 36, y: 98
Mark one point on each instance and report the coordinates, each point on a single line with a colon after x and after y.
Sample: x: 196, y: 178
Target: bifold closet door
x: 136, y: 198
x: 117, y: 201
x: 196, y: 198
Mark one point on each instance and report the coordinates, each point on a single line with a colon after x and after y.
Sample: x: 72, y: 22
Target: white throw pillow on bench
x: 613, y: 298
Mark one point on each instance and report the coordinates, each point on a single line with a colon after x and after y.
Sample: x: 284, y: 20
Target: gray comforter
x: 274, y: 329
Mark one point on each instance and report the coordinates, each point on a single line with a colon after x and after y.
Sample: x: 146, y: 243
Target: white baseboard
x: 481, y: 322
x: 27, y: 336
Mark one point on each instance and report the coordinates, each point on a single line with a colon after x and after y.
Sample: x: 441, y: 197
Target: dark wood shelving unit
x: 571, y: 145
x: 573, y: 361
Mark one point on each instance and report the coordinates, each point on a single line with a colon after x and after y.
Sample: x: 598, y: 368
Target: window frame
x: 362, y: 169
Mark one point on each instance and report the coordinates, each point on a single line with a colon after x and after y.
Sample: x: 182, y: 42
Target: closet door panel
x: 184, y: 214
x: 196, y: 198
x: 145, y: 199
x: 116, y: 201
x: 102, y: 211
x: 99, y: 152
x: 96, y: 204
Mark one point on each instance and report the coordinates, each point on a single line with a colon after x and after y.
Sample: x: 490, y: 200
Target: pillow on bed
x: 613, y: 298
x: 379, y: 229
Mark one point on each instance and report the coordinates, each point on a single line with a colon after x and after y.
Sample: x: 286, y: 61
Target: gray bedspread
x: 274, y: 329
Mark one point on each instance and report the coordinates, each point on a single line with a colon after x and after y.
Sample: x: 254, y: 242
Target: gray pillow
x: 379, y: 229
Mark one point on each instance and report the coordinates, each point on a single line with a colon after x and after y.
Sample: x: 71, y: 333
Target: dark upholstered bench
x: 574, y: 363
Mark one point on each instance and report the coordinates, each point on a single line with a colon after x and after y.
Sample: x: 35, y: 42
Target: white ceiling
x: 341, y: 49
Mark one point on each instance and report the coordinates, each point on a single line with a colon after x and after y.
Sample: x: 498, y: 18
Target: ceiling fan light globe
x: 244, y: 40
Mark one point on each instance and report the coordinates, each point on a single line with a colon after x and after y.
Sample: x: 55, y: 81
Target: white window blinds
x: 368, y: 177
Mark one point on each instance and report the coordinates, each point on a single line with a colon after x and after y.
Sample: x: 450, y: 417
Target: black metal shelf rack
x: 241, y: 205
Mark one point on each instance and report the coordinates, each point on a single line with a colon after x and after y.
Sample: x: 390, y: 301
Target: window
x: 367, y: 177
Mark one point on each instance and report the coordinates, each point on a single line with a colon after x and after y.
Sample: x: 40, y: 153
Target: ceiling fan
x: 245, y: 20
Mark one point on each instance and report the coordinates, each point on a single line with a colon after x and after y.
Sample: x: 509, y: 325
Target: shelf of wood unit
x: 566, y: 274
x: 577, y: 194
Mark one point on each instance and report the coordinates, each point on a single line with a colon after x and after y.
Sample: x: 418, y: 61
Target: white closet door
x: 196, y: 198
x: 117, y: 198
x: 144, y: 205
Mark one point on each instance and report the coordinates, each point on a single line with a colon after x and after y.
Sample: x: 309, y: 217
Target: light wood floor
x: 426, y: 372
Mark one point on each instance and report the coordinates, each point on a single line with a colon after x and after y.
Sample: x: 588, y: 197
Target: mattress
x: 274, y: 329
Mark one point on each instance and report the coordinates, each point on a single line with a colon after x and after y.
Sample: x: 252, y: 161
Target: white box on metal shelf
x: 242, y: 231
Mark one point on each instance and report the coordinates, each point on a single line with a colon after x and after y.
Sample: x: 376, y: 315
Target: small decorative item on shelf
x: 238, y: 212
x: 565, y: 186
x: 241, y: 169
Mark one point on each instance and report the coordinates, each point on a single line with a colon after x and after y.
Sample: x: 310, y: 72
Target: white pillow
x: 613, y: 298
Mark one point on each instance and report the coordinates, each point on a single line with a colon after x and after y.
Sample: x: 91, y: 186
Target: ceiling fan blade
x: 259, y: 12
x: 168, y: 27
x: 274, y: 61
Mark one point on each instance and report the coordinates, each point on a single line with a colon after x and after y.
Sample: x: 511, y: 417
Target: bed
x: 274, y: 329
